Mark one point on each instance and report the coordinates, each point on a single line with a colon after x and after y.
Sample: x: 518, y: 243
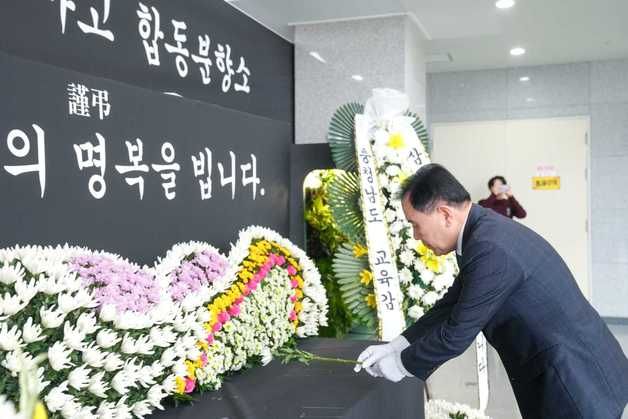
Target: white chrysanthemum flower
x: 93, y: 357
x: 405, y: 276
x: 26, y: 290
x: 430, y: 298
x: 73, y: 337
x: 11, y: 274
x: 108, y: 313
x: 13, y: 362
x: 415, y: 312
x: 121, y: 382
x: 10, y: 338
x: 407, y: 257
x: 107, y: 338
x: 58, y: 397
x: 113, y: 362
x: 415, y: 292
x: 51, y: 318
x: 31, y: 332
x: 79, y: 377
x: 11, y: 304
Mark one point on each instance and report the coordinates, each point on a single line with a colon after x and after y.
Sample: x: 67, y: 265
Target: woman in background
x: 502, y: 199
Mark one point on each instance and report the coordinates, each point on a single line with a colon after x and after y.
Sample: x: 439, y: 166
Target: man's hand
x: 391, y: 368
x: 370, y: 356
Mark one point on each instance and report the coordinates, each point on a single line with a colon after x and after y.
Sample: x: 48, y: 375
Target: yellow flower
x: 395, y: 141
x: 299, y: 294
x: 190, y: 368
x: 370, y: 300
x: 432, y: 263
x: 40, y: 411
x: 366, y: 277
x: 429, y: 259
x: 180, y: 385
x: 202, y: 344
x: 245, y: 275
x: 298, y: 307
x: 359, y: 250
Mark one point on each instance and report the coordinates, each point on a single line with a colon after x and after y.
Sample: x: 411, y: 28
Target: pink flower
x: 246, y: 291
x: 292, y: 270
x: 189, y: 385
x: 204, y: 358
x: 239, y: 300
x: 216, y: 327
x: 293, y: 315
x: 252, y: 285
x: 210, y: 340
x: 294, y: 283
x: 234, y: 310
x: 223, y: 317
x: 293, y: 298
x: 280, y: 260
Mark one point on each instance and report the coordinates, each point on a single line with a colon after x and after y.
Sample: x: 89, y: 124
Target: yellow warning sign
x: 546, y: 183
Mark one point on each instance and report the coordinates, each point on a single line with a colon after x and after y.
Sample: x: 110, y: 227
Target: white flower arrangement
x: 118, y: 338
x: 400, y: 154
x: 441, y: 409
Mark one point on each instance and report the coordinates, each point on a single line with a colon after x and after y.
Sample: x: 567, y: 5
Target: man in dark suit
x: 561, y: 358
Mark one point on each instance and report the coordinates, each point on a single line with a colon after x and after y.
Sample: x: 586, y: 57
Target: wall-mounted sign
x: 546, y: 183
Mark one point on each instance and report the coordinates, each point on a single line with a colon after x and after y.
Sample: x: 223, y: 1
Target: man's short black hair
x: 492, y: 180
x: 431, y: 184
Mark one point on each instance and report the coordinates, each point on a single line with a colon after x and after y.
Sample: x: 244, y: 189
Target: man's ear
x: 447, y: 212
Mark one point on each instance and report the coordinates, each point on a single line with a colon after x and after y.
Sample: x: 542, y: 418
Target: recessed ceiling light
x: 317, y: 56
x: 517, y: 51
x: 530, y: 99
x: 524, y: 79
x: 357, y: 77
x: 504, y: 4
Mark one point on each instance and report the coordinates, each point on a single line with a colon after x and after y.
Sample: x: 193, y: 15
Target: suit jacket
x: 561, y: 358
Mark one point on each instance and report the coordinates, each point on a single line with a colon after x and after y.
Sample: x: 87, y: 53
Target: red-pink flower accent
x: 239, y: 300
x: 210, y: 339
x: 203, y: 359
x: 294, y: 283
x: 189, y: 385
x: 280, y: 260
x: 234, y: 310
x: 293, y: 315
x: 216, y: 327
x: 223, y: 317
x: 291, y: 270
x: 293, y: 298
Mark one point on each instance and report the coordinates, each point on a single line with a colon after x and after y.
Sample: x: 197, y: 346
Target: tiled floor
x: 457, y: 380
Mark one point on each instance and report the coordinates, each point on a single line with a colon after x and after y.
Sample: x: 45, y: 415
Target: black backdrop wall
x: 94, y: 153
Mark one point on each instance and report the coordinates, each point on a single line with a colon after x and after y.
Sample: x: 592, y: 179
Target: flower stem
x: 337, y: 360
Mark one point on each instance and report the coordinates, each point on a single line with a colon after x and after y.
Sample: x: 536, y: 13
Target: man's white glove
x: 391, y: 368
x: 369, y: 358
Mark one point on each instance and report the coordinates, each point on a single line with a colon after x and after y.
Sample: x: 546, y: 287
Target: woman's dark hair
x: 429, y: 185
x: 492, y: 180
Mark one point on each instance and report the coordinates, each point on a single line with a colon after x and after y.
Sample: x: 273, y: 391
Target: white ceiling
x: 475, y: 32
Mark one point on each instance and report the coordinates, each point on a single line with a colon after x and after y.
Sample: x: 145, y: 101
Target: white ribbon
x: 382, y: 260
